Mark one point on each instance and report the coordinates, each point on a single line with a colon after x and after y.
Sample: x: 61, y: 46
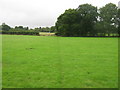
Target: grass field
x: 46, y: 34
x: 59, y: 62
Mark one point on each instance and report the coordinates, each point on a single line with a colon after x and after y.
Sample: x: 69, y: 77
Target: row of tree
x: 21, y: 32
x: 88, y: 20
x: 5, y: 28
x: 46, y: 29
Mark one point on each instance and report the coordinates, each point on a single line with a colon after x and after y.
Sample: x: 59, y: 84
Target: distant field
x: 59, y: 62
x: 46, y: 34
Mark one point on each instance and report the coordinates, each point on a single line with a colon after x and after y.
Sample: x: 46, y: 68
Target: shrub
x: 17, y: 32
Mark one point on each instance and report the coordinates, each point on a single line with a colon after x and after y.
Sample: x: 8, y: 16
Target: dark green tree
x: 78, y: 22
x: 26, y: 28
x: 53, y: 29
x: 5, y: 27
x: 118, y: 21
x: 66, y: 22
x: 19, y: 27
x: 108, y: 18
x: 89, y: 17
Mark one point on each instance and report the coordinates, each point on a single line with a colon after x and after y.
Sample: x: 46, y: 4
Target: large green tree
x: 5, y: 27
x: 77, y: 22
x: 119, y: 22
x: 108, y: 18
x: 66, y: 23
x: 89, y: 16
x: 21, y: 28
x: 52, y: 29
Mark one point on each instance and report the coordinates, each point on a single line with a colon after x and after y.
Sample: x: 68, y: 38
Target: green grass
x: 59, y: 62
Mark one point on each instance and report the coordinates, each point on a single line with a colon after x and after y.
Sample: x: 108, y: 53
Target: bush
x: 16, y: 32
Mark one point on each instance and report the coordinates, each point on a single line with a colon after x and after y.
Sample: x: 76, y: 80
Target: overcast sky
x: 36, y: 13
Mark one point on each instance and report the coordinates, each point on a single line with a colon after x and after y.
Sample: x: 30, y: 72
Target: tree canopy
x: 87, y: 20
x: 5, y: 27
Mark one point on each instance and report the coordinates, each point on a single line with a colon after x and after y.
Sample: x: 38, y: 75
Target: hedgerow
x: 20, y: 32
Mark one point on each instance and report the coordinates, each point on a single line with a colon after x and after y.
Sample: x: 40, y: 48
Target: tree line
x: 20, y: 30
x: 88, y: 20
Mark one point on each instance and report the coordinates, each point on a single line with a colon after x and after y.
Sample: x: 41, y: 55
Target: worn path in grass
x: 59, y: 62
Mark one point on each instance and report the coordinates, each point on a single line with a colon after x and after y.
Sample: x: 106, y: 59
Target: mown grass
x: 46, y: 34
x: 59, y: 62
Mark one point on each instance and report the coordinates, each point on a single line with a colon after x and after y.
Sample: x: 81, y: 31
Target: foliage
x: 5, y: 27
x: 89, y: 16
x: 21, y: 32
x: 65, y: 23
x: 87, y: 20
x: 119, y: 22
x: 108, y: 18
x: 21, y: 28
x: 45, y: 29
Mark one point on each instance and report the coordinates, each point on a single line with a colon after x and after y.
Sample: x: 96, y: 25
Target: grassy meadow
x: 59, y: 62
